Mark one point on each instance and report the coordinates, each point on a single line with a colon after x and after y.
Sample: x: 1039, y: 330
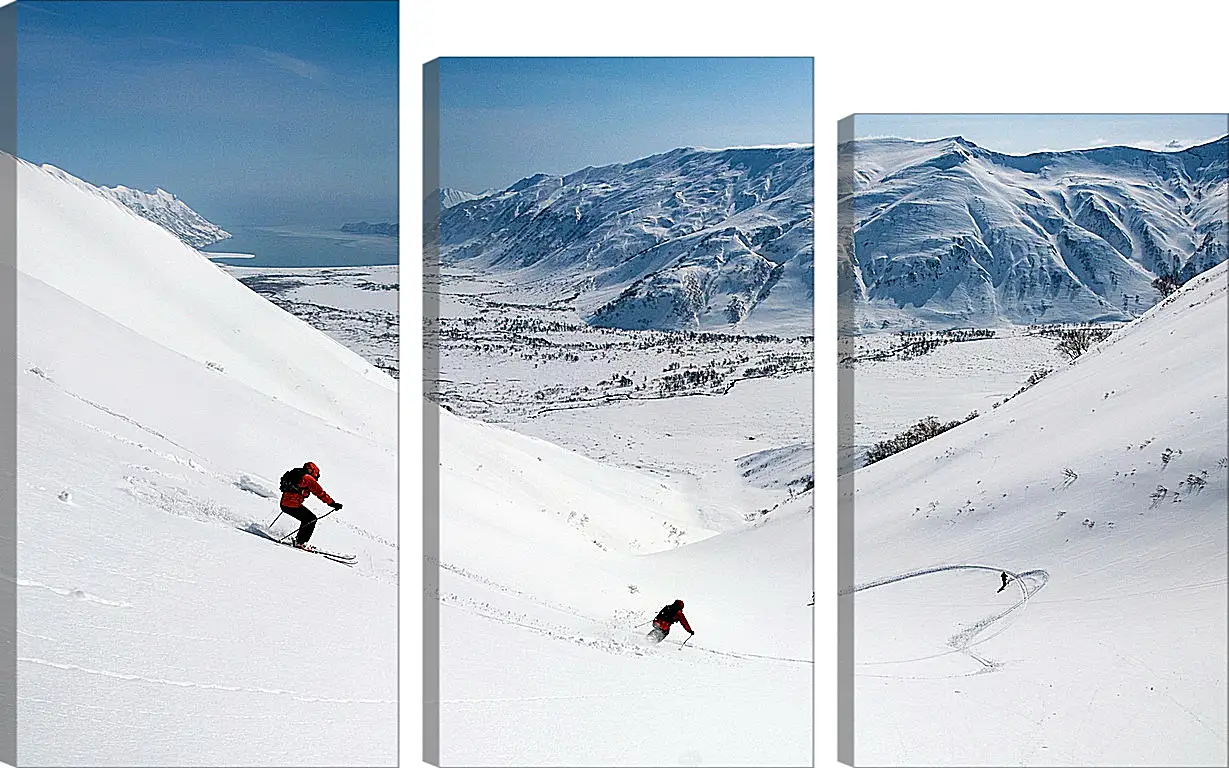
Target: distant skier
x: 297, y: 486
x: 665, y: 617
x: 1004, y: 583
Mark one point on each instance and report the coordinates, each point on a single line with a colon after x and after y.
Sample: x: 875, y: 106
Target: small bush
x: 920, y: 432
x: 1167, y: 284
x: 1074, y: 342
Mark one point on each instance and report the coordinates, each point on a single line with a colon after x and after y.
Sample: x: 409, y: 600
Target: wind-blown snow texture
x: 948, y: 234
x: 1102, y: 491
x: 158, y: 400
x: 689, y: 239
x: 159, y: 206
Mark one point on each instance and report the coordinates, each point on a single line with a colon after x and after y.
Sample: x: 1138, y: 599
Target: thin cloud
x: 40, y: 9
x: 1156, y: 145
x: 175, y: 43
x: 1171, y: 145
x: 287, y: 63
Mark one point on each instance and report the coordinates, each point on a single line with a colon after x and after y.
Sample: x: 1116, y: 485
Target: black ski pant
x: 307, y: 522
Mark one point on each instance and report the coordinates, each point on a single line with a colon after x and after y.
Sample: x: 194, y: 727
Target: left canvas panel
x: 206, y: 383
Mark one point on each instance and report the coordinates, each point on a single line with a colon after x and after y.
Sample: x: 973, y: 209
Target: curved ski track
x: 1028, y: 582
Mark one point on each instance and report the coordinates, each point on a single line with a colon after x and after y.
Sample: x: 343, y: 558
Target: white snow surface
x: 948, y: 383
x: 1102, y: 491
x: 158, y: 401
x: 549, y: 560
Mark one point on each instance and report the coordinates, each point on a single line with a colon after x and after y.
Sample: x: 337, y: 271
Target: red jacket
x: 307, y: 487
x: 664, y: 625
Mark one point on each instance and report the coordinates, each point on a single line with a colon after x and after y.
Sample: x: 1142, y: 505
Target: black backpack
x: 291, y: 479
x: 668, y: 614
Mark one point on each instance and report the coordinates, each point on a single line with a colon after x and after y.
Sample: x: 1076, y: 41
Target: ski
x: 338, y: 556
x: 344, y: 561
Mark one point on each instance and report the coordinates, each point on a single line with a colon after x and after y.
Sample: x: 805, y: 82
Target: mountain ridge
x: 693, y: 238
x: 945, y: 233
x: 161, y: 207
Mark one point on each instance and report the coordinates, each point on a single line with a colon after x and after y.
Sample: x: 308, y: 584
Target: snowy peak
x: 948, y: 234
x: 449, y: 197
x: 160, y: 207
x: 688, y: 239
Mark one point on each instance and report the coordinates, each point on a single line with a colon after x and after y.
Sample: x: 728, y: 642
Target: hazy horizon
x: 504, y: 119
x: 252, y: 113
x: 1028, y: 133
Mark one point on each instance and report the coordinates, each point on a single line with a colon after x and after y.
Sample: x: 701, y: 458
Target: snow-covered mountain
x: 1101, y: 492
x: 450, y: 196
x: 946, y: 233
x: 159, y: 206
x: 689, y: 239
x: 158, y: 401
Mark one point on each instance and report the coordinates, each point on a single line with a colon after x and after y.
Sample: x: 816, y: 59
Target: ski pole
x: 688, y: 640
x: 296, y: 530
x: 279, y: 517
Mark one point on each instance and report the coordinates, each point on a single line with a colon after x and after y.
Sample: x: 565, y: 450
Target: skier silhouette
x: 297, y: 486
x: 666, y: 617
x: 1004, y: 583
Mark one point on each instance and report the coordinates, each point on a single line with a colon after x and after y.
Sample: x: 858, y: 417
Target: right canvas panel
x: 1033, y: 444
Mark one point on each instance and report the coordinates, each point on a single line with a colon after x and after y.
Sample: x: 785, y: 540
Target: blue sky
x: 502, y: 119
x: 251, y: 112
x: 1022, y: 134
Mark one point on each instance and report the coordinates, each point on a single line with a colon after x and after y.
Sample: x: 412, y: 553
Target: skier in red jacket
x: 665, y: 617
x: 292, y: 502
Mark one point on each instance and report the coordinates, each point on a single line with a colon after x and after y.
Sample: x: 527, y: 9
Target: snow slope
x: 356, y: 306
x: 549, y: 561
x: 186, y: 303
x: 692, y: 238
x: 948, y: 383
x: 950, y: 234
x: 1103, y: 488
x: 158, y: 401
x: 160, y: 207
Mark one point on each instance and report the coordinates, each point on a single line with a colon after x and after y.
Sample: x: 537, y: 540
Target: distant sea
x: 305, y: 246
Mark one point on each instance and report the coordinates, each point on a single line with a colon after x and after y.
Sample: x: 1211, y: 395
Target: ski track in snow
x: 971, y: 635
x: 175, y: 500
x: 35, y: 370
x: 507, y: 699
x: 561, y: 632
x: 610, y: 644
x: 76, y: 593
x: 205, y: 686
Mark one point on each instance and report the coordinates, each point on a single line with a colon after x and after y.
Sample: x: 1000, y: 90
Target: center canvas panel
x: 619, y: 452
